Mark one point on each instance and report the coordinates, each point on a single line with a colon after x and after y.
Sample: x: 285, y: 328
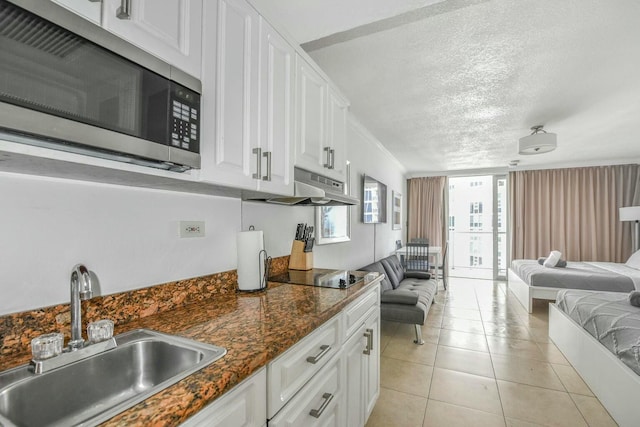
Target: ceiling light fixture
x: 540, y: 141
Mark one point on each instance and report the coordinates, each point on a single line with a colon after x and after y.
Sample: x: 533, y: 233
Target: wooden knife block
x: 299, y: 259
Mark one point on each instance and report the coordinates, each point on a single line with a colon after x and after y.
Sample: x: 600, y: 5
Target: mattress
x: 596, y: 276
x: 609, y: 318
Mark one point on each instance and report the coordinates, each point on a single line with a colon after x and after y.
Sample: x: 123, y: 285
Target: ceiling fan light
x: 538, y: 143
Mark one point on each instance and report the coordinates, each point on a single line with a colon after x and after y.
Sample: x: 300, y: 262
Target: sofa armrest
x: 417, y: 275
x: 399, y: 296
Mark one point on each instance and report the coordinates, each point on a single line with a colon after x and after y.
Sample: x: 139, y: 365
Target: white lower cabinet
x: 344, y: 391
x: 329, y: 378
x: 244, y: 406
x: 362, y: 355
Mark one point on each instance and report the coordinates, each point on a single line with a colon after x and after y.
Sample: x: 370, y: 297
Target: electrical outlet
x: 191, y: 229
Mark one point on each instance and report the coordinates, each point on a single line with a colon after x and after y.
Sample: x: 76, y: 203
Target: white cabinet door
x: 276, y: 111
x: 168, y: 29
x: 244, y: 406
x: 87, y: 9
x: 312, y: 152
x: 337, y: 130
x: 230, y: 100
x: 371, y: 363
x: 353, y: 354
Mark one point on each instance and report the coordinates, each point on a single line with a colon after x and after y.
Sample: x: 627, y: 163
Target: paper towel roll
x: 250, y: 260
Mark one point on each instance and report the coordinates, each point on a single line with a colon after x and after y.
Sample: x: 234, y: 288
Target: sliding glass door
x: 478, y: 226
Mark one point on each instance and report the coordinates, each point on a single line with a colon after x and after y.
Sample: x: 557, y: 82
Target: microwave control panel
x: 185, y: 118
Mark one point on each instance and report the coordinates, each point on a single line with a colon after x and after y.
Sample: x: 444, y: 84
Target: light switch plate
x: 191, y: 229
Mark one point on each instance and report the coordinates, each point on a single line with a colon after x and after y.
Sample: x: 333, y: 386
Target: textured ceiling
x: 453, y: 85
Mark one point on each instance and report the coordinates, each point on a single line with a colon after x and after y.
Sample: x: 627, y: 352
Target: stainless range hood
x: 312, y: 189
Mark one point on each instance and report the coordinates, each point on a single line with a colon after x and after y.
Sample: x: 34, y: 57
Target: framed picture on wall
x: 396, y: 211
x: 333, y: 224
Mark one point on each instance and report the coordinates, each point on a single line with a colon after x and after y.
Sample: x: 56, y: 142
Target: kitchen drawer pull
x: 124, y: 11
x: 369, y: 335
x: 324, y: 349
x: 267, y: 177
x: 332, y: 158
x: 258, y: 153
x: 317, y: 412
x: 367, y: 349
x: 328, y: 162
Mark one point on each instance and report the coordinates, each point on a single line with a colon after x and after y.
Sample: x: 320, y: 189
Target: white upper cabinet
x: 337, y: 132
x: 311, y: 115
x: 168, y: 29
x: 249, y: 145
x: 88, y: 9
x: 230, y: 93
x: 321, y: 121
x: 276, y: 110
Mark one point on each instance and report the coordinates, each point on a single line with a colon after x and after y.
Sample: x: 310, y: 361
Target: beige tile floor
x: 485, y: 362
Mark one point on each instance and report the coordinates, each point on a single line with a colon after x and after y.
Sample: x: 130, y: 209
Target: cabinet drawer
x: 354, y: 314
x: 320, y: 402
x: 291, y: 370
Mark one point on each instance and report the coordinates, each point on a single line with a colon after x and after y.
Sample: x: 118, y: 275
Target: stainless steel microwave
x: 68, y: 84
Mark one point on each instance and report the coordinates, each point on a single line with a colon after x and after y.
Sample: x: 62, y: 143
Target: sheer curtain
x: 574, y: 211
x: 426, y: 209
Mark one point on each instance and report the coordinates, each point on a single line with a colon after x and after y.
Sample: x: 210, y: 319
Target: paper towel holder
x: 263, y: 266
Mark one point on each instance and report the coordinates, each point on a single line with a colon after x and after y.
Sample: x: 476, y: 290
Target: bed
x: 599, y: 334
x: 529, y: 280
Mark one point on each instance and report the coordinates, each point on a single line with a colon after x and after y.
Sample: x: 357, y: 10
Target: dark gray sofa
x: 406, y: 296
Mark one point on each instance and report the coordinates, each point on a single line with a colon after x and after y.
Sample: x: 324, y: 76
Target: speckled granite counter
x: 254, y: 328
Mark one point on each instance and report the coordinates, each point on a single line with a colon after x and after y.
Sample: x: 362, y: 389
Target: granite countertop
x: 254, y: 328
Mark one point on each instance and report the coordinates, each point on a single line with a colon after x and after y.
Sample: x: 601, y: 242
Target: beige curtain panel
x: 426, y: 209
x: 574, y: 211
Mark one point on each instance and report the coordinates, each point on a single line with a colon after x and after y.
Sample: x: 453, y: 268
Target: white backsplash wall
x: 128, y: 236
x: 279, y: 222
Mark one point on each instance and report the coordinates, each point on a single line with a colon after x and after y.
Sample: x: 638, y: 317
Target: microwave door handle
x: 124, y: 11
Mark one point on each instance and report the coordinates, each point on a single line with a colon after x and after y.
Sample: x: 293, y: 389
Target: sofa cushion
x: 394, y: 270
x: 399, y: 296
x: 404, y: 313
x: 417, y: 275
x: 377, y: 266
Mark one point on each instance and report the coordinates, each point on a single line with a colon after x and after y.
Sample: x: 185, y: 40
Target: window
x: 452, y: 222
x: 475, y: 207
x: 475, y: 261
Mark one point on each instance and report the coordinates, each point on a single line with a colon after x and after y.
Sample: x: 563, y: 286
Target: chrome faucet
x: 81, y: 289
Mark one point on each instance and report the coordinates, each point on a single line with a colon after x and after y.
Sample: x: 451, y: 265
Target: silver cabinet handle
x: 324, y: 349
x: 332, y: 158
x: 258, y: 153
x: 327, y: 164
x: 267, y: 177
x: 368, y: 335
x: 317, y: 412
x: 124, y: 11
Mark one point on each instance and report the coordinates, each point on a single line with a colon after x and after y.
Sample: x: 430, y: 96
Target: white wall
x: 129, y: 236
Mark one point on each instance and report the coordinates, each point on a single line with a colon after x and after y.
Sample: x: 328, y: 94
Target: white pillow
x: 634, y: 260
x: 552, y: 259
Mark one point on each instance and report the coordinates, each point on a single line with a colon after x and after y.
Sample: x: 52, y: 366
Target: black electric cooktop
x: 322, y: 277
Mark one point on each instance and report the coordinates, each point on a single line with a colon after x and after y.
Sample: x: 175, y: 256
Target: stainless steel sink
x: 94, y: 389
